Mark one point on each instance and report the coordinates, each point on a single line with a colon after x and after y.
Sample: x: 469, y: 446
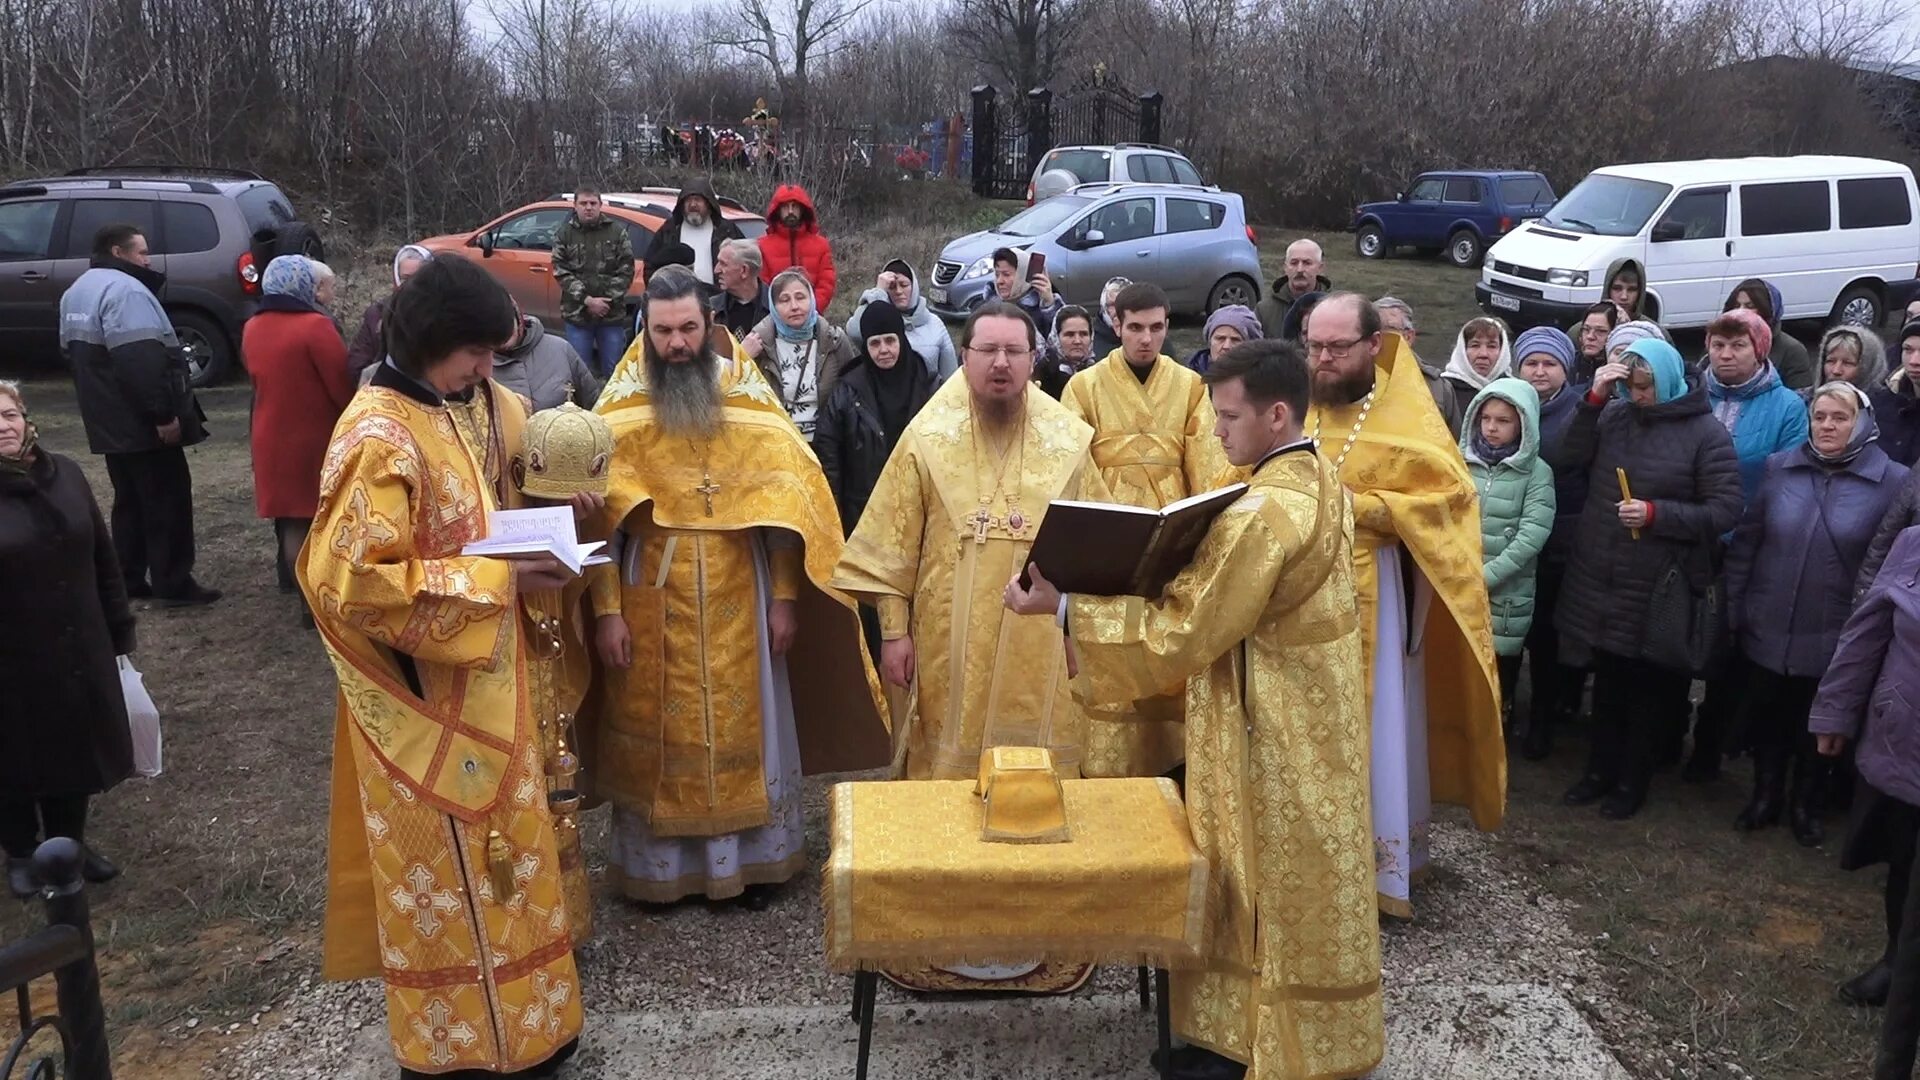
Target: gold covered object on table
x: 1024, y: 803
x: 567, y: 452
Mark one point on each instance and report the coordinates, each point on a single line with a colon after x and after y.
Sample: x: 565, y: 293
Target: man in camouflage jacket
x: 593, y: 264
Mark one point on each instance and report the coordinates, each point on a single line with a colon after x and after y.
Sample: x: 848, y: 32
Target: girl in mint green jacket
x: 1500, y: 438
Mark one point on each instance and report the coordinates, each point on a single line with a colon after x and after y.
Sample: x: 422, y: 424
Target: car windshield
x: 1608, y: 205
x: 1041, y: 218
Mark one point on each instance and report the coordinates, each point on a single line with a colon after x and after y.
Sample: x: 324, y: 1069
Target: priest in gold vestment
x: 954, y: 512
x: 1434, y: 694
x: 443, y: 875
x: 1153, y: 442
x: 730, y: 668
x: 1262, y: 631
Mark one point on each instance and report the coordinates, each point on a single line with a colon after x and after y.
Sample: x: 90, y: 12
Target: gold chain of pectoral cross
x: 982, y: 518
x: 1366, y: 406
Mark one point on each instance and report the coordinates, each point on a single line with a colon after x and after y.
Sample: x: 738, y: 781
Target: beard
x: 685, y: 392
x: 998, y: 415
x: 1344, y: 390
x: 696, y: 218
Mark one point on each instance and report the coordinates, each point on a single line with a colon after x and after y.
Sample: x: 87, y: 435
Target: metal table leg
x: 866, y: 987
x: 1146, y: 988
x: 1166, y: 1022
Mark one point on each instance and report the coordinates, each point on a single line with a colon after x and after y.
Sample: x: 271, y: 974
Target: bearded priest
x: 730, y: 667
x: 1434, y: 697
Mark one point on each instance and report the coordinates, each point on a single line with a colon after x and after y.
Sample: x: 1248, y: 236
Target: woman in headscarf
x: 1106, y: 331
x: 1642, y: 418
x: 65, y: 737
x: 800, y: 353
x: 1621, y: 337
x: 1856, y: 355
x: 367, y: 348
x: 1226, y: 327
x: 301, y: 385
x: 1068, y: 350
x: 864, y: 417
x: 1481, y: 353
x: 1790, y: 574
x: 1787, y: 355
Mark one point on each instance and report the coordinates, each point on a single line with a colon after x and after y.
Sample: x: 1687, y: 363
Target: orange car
x: 517, y: 247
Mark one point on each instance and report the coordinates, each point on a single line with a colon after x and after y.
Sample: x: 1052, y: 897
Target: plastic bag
x: 143, y: 719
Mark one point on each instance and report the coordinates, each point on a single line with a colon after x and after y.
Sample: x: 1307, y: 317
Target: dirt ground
x: 1731, y: 944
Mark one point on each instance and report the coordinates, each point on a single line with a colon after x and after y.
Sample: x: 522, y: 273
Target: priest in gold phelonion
x: 730, y: 667
x: 1261, y: 632
x: 564, y: 459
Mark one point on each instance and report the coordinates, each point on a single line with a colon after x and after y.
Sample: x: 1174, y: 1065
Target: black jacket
x: 1897, y: 410
x: 1902, y: 514
x: 129, y: 372
x: 741, y: 316
x: 848, y: 438
x: 669, y: 234
x: 1677, y: 457
x: 63, y: 722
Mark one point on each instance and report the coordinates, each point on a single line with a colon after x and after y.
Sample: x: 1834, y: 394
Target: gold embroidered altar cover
x: 910, y: 881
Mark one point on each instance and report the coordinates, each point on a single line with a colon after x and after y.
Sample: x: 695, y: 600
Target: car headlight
x: 1572, y: 278
x: 980, y: 267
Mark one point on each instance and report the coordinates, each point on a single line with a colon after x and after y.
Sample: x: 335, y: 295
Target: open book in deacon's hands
x: 538, y: 530
x: 1110, y: 549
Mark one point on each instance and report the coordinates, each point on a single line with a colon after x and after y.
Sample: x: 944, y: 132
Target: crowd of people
x: 1585, y: 504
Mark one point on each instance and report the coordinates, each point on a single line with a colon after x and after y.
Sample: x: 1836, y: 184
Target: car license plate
x: 1503, y: 301
x: 937, y: 295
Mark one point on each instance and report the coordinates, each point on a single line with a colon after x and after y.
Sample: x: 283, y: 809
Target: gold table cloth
x: 910, y: 882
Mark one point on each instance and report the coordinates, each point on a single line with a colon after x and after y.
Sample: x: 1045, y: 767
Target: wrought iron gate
x: 1009, y: 144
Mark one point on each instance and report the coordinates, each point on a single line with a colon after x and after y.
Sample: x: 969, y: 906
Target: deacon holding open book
x: 730, y: 669
x: 1153, y: 442
x: 1435, y: 696
x: 1262, y: 630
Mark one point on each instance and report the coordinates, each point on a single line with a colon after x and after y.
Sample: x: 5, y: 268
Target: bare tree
x: 790, y: 37
x: 1024, y: 42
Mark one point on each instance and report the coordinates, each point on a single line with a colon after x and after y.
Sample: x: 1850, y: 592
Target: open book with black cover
x: 1110, y: 549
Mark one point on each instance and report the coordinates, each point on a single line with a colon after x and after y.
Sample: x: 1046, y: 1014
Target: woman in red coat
x: 298, y: 362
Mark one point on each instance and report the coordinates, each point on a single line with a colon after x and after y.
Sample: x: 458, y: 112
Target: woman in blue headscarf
x: 1642, y: 418
x: 800, y: 353
x: 294, y: 353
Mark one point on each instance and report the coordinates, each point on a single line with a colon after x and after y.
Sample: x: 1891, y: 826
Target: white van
x: 1838, y: 236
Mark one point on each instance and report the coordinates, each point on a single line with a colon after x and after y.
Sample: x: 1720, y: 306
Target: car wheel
x: 209, y: 353
x: 1229, y: 291
x: 299, y: 238
x: 1858, y: 306
x: 1370, y: 242
x: 1463, y: 249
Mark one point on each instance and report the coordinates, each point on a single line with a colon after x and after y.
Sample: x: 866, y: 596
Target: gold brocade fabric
x: 985, y: 676
x: 1154, y: 444
x: 910, y: 881
x: 436, y: 774
x: 678, y: 732
x: 1263, y: 629
x: 1411, y: 487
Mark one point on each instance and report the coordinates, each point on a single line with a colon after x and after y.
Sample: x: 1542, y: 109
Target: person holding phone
x: 1020, y: 277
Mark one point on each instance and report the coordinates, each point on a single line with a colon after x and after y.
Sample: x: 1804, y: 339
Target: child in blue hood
x: 1500, y: 439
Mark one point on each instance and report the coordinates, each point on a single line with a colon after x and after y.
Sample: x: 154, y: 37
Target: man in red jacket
x: 793, y: 238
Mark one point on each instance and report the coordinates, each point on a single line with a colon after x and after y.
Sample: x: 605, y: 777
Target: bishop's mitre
x: 567, y: 451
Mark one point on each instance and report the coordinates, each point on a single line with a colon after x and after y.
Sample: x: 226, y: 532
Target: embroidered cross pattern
x: 543, y: 1012
x: 420, y: 901
x: 440, y: 1031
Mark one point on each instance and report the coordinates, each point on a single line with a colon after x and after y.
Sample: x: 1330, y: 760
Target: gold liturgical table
x: 911, y: 883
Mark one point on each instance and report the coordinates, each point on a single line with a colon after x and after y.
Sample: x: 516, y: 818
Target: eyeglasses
x: 1009, y: 352
x: 1336, y: 349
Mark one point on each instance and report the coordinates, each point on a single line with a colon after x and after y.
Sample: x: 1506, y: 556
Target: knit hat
x: 672, y: 255
x: 1546, y: 339
x: 879, y: 319
x: 1238, y: 316
x: 1757, y: 328
x: 1629, y: 332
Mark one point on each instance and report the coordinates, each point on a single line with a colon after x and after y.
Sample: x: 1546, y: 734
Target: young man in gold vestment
x: 730, y: 669
x: 443, y: 874
x: 955, y: 511
x: 1263, y: 633
x: 1435, y: 692
x: 1153, y: 442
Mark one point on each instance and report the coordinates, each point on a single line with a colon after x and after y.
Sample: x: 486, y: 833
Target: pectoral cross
x: 708, y: 489
x: 981, y: 521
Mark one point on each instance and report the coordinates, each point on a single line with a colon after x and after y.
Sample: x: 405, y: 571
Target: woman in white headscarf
x: 367, y: 349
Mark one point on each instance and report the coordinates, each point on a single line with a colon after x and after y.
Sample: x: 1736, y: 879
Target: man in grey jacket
x: 140, y: 413
x: 544, y: 369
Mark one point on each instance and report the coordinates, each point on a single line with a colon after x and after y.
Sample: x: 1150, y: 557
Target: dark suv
x: 1461, y: 213
x: 211, y: 231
